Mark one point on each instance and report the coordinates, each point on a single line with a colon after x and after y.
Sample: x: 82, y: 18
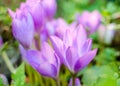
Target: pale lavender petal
x: 68, y: 38
x: 81, y: 36
x: 37, y: 12
x: 77, y: 82
x: 23, y: 30
x: 71, y: 57
x: 73, y: 25
x: 61, y: 27
x: 48, y: 52
x: 34, y: 58
x: 86, y: 47
x: 85, y: 60
x: 23, y: 52
x: 43, y: 37
x: 94, y: 21
x: 50, y: 29
x: 47, y: 69
x: 11, y: 13
x: 50, y: 7
x: 82, y: 19
x: 58, y: 63
x: 58, y: 46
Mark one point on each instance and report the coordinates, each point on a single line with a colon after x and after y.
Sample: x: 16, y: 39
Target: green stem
x: 7, y: 61
x: 57, y: 82
x: 73, y: 79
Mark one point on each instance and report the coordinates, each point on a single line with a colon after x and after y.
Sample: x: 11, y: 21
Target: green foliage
x: 4, y: 47
x: 106, y: 81
x: 106, y: 55
x: 4, y: 17
x: 19, y: 76
x: 118, y: 82
x: 1, y: 82
x: 100, y: 76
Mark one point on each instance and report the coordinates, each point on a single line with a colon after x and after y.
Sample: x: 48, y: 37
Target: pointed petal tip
x: 85, y: 60
x: 11, y: 13
x: 47, y: 69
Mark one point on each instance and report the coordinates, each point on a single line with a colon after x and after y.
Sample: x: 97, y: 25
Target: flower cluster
x: 33, y: 24
x: 30, y: 18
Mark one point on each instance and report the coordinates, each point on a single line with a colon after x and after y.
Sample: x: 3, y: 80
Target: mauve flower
x: 50, y: 7
x: 22, y: 27
x: 75, y: 49
x: 36, y: 9
x: 41, y: 10
x: 55, y: 27
x: 61, y: 26
x: 91, y: 21
x: 77, y: 82
x: 46, y: 61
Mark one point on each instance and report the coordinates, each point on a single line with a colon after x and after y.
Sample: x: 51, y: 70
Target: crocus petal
x: 95, y: 17
x: 58, y: 46
x: 23, y: 52
x: 60, y: 31
x: 11, y: 13
x: 48, y: 52
x: 37, y: 12
x: 23, y: 30
x: 38, y: 62
x: 81, y: 36
x: 77, y: 82
x: 50, y: 7
x: 58, y: 63
x: 86, y: 47
x: 38, y: 15
x: 68, y: 38
x: 85, y: 60
x: 71, y: 57
x: 47, y: 69
x: 34, y: 58
x: 82, y: 19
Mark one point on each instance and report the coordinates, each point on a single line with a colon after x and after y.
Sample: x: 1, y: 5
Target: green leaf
x: 106, y: 56
x: 19, y: 76
x: 118, y: 82
x: 1, y: 82
x: 100, y: 76
x: 106, y: 81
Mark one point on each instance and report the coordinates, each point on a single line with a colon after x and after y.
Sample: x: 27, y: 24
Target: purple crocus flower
x: 36, y: 9
x: 75, y: 49
x: 46, y: 61
x: 22, y: 27
x: 91, y: 21
x: 77, y: 82
x: 41, y: 10
x: 50, y: 7
x: 55, y: 27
